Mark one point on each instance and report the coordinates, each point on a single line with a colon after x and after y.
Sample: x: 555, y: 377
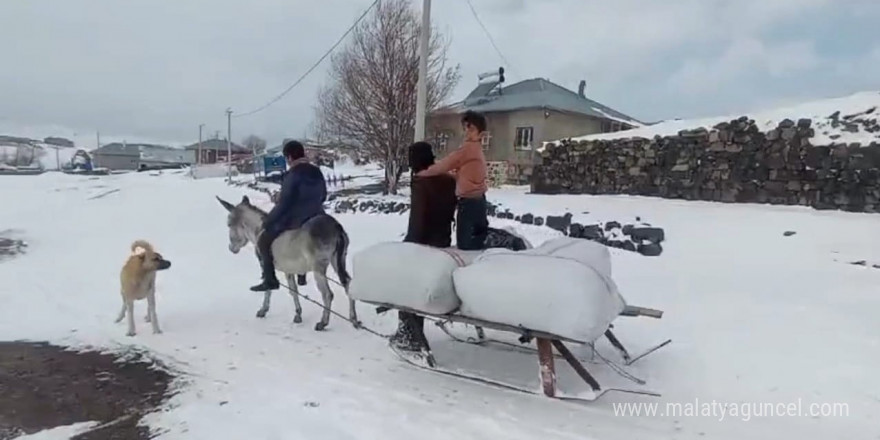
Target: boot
x: 409, y: 335
x: 269, y: 283
x: 301, y: 280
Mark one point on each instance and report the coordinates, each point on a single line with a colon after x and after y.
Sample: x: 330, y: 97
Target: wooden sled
x: 546, y: 343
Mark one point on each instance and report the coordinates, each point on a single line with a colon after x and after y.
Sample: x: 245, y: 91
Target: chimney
x: 581, y: 88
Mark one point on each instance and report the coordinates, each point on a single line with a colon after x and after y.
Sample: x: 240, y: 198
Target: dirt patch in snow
x: 43, y: 386
x: 10, y: 246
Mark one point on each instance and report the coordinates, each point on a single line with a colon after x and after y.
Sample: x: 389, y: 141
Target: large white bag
x: 563, y: 287
x: 409, y: 275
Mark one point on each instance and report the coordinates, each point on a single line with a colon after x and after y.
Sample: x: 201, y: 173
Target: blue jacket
x: 303, y: 193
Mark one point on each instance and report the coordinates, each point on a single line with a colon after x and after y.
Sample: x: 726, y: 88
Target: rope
x: 488, y: 34
x: 314, y: 66
x: 356, y: 324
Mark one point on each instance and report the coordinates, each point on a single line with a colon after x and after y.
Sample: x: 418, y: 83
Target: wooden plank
x: 481, y: 323
x: 578, y: 368
x: 547, y: 368
x: 616, y: 343
x: 641, y: 311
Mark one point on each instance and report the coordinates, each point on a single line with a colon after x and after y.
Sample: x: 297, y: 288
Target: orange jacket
x: 469, y: 165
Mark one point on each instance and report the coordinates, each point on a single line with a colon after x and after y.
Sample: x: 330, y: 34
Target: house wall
x: 215, y: 156
x: 115, y: 161
x: 546, y: 126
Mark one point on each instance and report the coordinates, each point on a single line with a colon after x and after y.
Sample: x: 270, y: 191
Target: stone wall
x: 733, y: 162
x: 497, y: 173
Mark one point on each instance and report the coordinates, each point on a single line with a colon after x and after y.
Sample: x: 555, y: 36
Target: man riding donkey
x: 435, y: 196
x: 303, y: 193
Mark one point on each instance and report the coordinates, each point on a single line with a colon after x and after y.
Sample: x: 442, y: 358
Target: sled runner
x: 546, y: 343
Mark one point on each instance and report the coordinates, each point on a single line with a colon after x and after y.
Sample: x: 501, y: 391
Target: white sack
x: 563, y: 287
x: 409, y: 275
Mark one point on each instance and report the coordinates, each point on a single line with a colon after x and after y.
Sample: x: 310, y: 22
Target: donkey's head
x: 244, y: 222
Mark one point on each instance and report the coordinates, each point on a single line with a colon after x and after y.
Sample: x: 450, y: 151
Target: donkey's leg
x: 294, y: 292
x: 267, y: 296
x: 352, y: 313
x: 327, y: 294
x: 352, y: 310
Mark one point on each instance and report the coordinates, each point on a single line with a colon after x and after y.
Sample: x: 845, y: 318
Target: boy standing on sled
x: 469, y: 165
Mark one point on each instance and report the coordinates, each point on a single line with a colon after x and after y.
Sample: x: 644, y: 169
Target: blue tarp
x: 273, y: 163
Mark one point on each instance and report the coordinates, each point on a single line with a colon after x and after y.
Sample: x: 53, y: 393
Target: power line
x: 314, y: 66
x: 488, y: 34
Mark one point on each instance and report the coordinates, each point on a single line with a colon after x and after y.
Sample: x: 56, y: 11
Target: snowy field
x: 756, y: 317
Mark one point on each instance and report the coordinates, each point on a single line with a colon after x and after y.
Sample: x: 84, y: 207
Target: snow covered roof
x: 847, y: 119
x: 218, y: 144
x: 537, y: 93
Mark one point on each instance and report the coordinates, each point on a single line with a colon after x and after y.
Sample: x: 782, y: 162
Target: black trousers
x: 267, y: 260
x: 413, y: 328
x: 472, y: 223
x: 264, y: 251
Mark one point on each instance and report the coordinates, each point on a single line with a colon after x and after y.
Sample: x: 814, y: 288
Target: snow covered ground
x: 756, y: 317
x: 864, y: 105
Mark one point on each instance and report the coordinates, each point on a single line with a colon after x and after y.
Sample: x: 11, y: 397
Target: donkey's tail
x: 340, y: 255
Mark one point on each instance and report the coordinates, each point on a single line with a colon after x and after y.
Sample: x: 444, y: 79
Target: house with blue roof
x: 521, y: 117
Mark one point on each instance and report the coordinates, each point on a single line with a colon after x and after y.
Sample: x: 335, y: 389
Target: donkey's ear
x: 227, y: 205
x: 245, y: 200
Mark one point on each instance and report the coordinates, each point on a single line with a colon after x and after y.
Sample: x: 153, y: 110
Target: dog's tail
x: 340, y: 255
x: 141, y: 244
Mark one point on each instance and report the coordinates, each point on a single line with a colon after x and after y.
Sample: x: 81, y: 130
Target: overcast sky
x: 155, y: 69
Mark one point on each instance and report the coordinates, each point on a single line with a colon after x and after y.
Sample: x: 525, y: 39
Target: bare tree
x: 255, y: 143
x: 370, y: 101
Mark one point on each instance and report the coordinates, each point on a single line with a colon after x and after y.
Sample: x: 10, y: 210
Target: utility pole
x: 57, y: 159
x: 422, y: 90
x: 98, y: 133
x: 199, y: 158
x: 229, y: 143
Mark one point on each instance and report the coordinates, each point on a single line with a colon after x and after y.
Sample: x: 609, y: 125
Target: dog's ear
x: 227, y: 205
x: 245, y: 200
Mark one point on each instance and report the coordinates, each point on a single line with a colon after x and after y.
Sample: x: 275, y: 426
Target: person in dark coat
x: 432, y: 210
x: 303, y: 193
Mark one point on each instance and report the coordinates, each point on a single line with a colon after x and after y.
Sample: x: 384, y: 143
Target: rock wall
x: 733, y: 162
x: 497, y: 173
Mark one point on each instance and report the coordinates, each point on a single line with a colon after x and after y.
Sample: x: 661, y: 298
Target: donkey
x: 321, y: 241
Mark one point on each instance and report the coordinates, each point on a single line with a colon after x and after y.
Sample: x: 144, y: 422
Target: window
x: 486, y: 141
x: 440, y: 140
x: 524, y: 138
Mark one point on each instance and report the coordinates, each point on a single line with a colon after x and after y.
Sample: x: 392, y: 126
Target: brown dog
x: 138, y: 281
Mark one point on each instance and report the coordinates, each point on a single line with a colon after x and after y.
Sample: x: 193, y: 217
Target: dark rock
x: 650, y: 249
x: 559, y: 223
x: 804, y: 123
x: 786, y: 123
x: 651, y: 234
x: 592, y: 232
x: 612, y: 225
x: 527, y: 219
x: 539, y: 221
x: 789, y: 233
x: 576, y: 230
x: 629, y: 246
